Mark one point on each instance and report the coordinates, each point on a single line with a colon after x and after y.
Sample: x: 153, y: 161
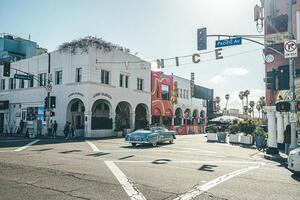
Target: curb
x: 276, y: 158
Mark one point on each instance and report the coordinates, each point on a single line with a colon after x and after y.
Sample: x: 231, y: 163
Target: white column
x: 87, y: 124
x: 285, y: 120
x: 132, y: 121
x: 272, y: 141
x: 280, y: 127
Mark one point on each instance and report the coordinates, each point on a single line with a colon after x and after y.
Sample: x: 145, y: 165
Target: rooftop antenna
x: 29, y: 37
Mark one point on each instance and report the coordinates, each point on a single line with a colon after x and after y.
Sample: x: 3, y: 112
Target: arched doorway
x: 178, y: 117
x: 141, y: 116
x: 156, y: 116
x: 123, y: 115
x: 187, y: 117
x: 195, y: 117
x: 75, y: 114
x: 101, y: 115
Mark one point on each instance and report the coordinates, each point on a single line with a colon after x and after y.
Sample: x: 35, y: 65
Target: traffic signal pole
x: 292, y: 80
x: 48, y: 97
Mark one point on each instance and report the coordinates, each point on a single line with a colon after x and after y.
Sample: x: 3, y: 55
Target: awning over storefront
x: 168, y: 113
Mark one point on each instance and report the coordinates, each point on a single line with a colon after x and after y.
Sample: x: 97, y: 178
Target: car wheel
x: 133, y: 144
x: 154, y: 144
x: 171, y: 141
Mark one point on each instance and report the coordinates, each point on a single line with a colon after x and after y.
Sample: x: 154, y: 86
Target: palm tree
x: 258, y: 108
x: 218, y: 100
x: 241, y: 95
x: 227, y: 96
x: 250, y: 110
x: 246, y: 94
x: 262, y: 104
x: 252, y: 104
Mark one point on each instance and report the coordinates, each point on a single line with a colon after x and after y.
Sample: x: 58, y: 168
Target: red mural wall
x: 161, y: 100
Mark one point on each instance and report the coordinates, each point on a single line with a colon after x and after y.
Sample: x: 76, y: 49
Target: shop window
x: 165, y: 92
x: 104, y: 77
x: 2, y: 84
x: 78, y: 77
x: 42, y: 79
x: 140, y: 83
x: 21, y: 83
x: 58, y: 77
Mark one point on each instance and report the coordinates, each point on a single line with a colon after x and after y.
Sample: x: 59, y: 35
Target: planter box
x: 119, y: 134
x: 222, y: 137
x: 234, y: 138
x: 247, y: 139
x: 259, y: 141
x: 212, y: 137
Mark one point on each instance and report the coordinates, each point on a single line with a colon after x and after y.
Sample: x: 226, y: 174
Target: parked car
x: 153, y: 136
x: 294, y: 160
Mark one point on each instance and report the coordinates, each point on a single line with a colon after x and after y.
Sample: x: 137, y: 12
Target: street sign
x: 229, y: 42
x: 269, y: 58
x: 290, y: 49
x: 293, y: 117
x: 49, y: 88
x: 23, y: 76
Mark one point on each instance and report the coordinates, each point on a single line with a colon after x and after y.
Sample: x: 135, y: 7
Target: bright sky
x: 155, y: 29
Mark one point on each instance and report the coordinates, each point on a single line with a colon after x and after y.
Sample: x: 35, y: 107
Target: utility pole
x: 48, y: 95
x: 292, y: 78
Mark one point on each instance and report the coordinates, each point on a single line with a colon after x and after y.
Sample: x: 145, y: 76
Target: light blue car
x: 153, y: 136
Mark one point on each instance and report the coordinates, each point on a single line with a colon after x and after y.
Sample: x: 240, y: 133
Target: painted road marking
x: 193, y: 161
x: 129, y: 188
x: 27, y: 145
x: 200, y: 150
x: 94, y: 147
x: 198, y: 190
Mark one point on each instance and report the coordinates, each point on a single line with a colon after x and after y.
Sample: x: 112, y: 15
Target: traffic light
x: 52, y: 103
x: 283, y: 106
x: 201, y: 39
x: 46, y: 102
x: 283, y: 75
x: 6, y: 69
x: 271, y: 80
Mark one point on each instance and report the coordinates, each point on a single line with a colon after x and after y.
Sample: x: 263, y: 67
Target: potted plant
x: 247, y: 128
x: 233, y: 137
x: 212, y: 133
x: 260, y: 136
x: 222, y: 135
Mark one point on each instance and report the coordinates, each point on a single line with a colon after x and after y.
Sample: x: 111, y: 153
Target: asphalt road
x: 111, y: 169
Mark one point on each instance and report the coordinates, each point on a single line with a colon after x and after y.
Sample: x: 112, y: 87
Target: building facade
x: 15, y: 48
x: 162, y: 99
x: 190, y: 113
x: 98, y: 91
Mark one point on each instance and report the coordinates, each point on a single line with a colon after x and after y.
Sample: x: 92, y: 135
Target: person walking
x: 71, y: 130
x: 21, y: 127
x: 287, y: 138
x: 66, y: 130
x: 39, y: 127
x: 50, y: 128
x: 54, y: 129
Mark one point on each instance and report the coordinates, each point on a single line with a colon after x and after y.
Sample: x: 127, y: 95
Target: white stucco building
x: 187, y: 109
x: 98, y: 91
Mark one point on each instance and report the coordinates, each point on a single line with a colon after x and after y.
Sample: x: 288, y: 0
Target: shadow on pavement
x: 123, y: 158
x: 161, y: 161
x: 144, y: 146
x: 296, y: 177
x: 71, y: 151
x: 98, y: 154
x: 48, y: 149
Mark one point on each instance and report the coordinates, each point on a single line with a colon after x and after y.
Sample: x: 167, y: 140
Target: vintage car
x: 294, y: 160
x: 152, y: 136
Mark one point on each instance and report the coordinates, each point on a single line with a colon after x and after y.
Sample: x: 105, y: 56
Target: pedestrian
x: 50, y: 127
x: 54, y: 130
x: 66, y: 129
x: 21, y: 127
x: 39, y: 127
x: 287, y: 138
x: 71, y: 130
